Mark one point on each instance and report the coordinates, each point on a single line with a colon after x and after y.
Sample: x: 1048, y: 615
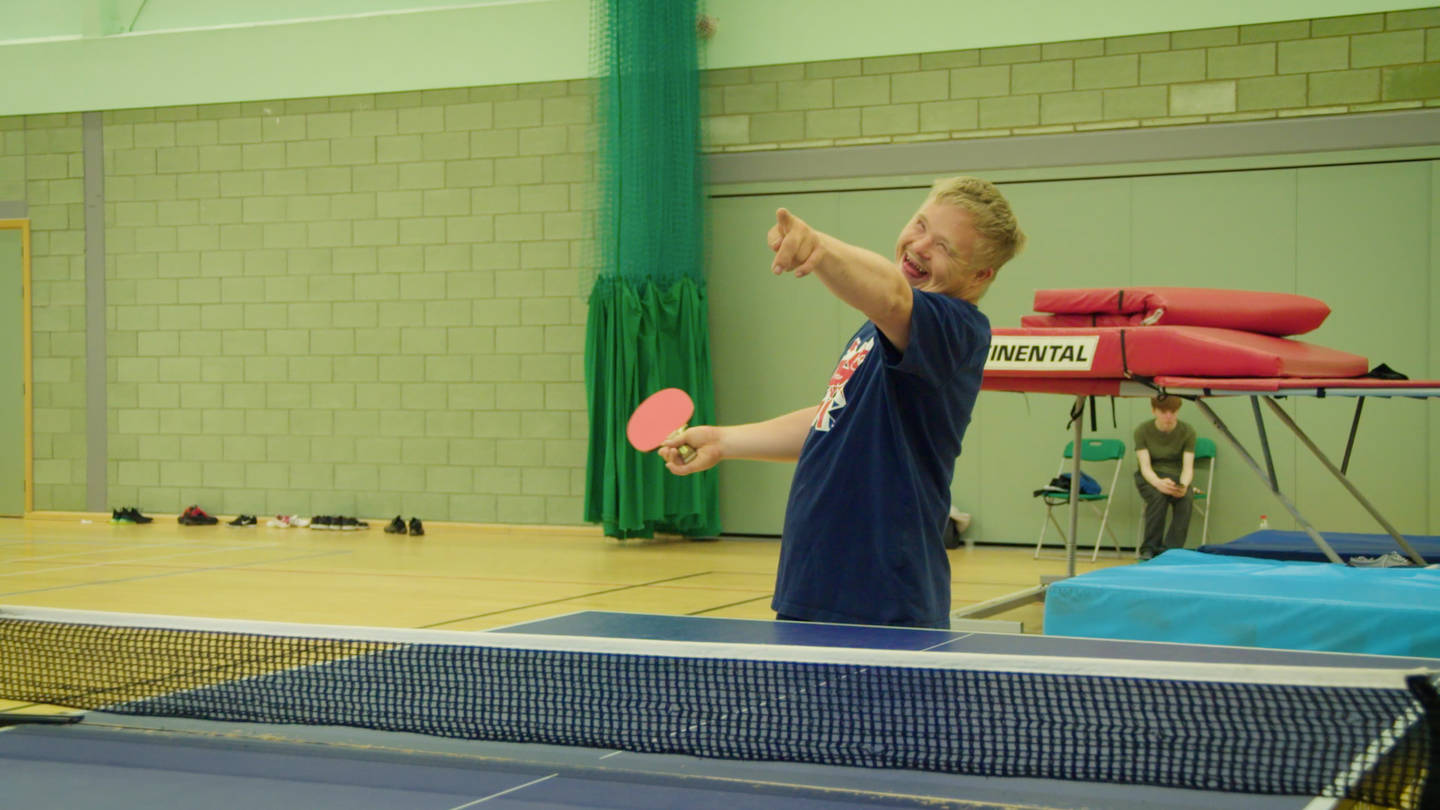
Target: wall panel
x: 1364, y: 249
x: 1354, y: 236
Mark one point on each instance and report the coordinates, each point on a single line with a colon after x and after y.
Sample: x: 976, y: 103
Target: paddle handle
x: 686, y: 451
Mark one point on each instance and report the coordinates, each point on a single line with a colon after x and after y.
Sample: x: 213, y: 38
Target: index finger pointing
x: 785, y: 254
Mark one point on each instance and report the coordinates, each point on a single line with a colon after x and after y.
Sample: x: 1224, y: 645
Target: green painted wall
x: 1364, y: 63
x: 1433, y: 370
x: 53, y: 180
x: 455, y: 47
x: 370, y: 303
x: 1357, y: 237
x: 12, y: 378
x: 75, y: 55
x: 764, y: 32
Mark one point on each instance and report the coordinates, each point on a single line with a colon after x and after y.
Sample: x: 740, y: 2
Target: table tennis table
x: 122, y: 762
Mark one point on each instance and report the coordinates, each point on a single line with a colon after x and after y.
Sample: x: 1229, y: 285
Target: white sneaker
x: 960, y: 519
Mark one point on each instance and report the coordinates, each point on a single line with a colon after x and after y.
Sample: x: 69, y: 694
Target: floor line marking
x: 161, y: 576
x: 141, y: 561
x: 703, y: 611
x: 92, y: 551
x: 562, y: 599
x: 503, y: 792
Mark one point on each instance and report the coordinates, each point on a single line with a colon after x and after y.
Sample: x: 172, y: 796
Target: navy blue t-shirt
x: 863, y: 539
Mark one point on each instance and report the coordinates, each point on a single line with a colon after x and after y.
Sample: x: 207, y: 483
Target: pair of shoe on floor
x: 397, y: 526
x: 128, y: 515
x: 243, y: 520
x: 317, y: 522
x: 195, y: 516
x: 337, y: 522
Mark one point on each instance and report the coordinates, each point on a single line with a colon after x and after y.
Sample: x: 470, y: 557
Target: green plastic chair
x: 1205, y: 451
x: 1091, y: 451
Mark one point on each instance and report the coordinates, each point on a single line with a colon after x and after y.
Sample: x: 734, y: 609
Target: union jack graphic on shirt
x: 835, y: 393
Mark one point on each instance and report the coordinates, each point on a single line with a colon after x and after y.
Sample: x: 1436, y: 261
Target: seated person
x: 1165, y: 449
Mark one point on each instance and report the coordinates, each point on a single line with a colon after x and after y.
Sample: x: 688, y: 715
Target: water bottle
x: 1264, y: 523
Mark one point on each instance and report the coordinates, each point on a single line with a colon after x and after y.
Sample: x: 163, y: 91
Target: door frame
x: 27, y: 364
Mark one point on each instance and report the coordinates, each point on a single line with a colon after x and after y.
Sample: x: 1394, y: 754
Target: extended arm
x: 778, y: 439
x: 861, y: 278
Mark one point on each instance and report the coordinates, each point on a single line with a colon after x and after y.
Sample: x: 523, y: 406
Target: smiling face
x: 935, y: 250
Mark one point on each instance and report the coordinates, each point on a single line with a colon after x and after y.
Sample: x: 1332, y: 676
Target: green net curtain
x: 647, y: 327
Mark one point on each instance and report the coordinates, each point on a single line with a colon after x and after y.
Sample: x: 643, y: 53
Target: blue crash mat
x: 1277, y: 545
x: 1186, y: 596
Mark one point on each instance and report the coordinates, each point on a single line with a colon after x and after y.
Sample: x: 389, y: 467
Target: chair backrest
x: 1204, y: 448
x: 1097, y: 449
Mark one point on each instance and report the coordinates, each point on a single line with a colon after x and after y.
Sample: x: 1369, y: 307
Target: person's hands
x: 1169, y: 487
x: 797, y: 246
x: 703, y: 439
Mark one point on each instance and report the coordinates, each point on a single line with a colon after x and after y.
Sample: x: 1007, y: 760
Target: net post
x: 1424, y: 691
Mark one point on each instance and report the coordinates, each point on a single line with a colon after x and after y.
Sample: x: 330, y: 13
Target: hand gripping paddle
x: 662, y: 415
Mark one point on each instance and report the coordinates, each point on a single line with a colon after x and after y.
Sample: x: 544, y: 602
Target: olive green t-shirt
x: 1167, y: 450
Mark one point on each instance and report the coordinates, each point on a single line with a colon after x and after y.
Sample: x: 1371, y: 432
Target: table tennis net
x: 1367, y: 735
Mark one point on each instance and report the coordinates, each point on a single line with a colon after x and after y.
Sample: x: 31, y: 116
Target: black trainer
x: 136, y: 516
x: 243, y: 520
x: 416, y: 529
x: 397, y: 526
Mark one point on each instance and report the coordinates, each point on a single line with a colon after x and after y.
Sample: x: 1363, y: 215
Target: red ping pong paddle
x: 662, y: 415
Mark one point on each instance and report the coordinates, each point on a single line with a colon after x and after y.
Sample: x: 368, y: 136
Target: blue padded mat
x: 1277, y: 545
x: 1186, y: 596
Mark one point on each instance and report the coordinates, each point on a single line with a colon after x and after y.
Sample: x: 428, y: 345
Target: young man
x: 1165, y: 449
x: 863, y: 538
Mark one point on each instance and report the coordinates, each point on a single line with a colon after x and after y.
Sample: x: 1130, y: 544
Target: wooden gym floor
x: 456, y: 576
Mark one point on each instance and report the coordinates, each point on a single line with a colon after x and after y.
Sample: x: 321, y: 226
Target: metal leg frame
x: 1079, y: 412
x: 1104, y: 530
x: 1037, y: 593
x: 1099, y: 536
x: 1255, y: 467
x: 1345, y: 481
x: 1264, y: 444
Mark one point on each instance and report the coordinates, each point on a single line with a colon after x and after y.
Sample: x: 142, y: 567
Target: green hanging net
x: 647, y: 327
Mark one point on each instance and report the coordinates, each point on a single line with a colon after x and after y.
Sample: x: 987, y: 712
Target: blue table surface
x: 607, y: 624
x: 126, y: 762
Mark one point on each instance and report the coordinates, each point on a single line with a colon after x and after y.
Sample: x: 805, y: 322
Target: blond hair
x: 1000, y: 235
